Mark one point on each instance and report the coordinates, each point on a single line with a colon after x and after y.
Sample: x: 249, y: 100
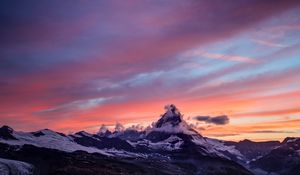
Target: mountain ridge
x: 170, y: 141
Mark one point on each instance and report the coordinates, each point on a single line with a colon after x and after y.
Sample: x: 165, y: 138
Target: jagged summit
x: 172, y: 117
x: 172, y: 122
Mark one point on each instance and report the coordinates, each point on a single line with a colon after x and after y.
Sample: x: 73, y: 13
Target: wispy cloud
x: 221, y: 135
x: 271, y: 112
x: 220, y: 56
x: 271, y: 131
x: 229, y: 57
x: 75, y: 106
x: 268, y: 43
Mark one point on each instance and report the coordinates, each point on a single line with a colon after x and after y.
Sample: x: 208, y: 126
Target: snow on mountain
x: 122, y: 153
x: 170, y: 139
x: 103, y: 131
x: 214, y: 146
x: 170, y: 144
x: 170, y: 133
x: 172, y: 122
x: 8, y: 167
x: 253, y: 150
x: 284, y: 159
x: 79, y: 141
x: 291, y: 140
x: 129, y: 134
x: 83, y: 133
x: 48, y: 139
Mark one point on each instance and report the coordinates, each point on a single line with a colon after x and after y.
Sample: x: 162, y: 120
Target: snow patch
x: 50, y: 140
x: 170, y: 144
x: 8, y: 167
x: 182, y: 127
x: 122, y: 153
x: 292, y: 140
x: 83, y: 133
x: 217, y: 147
x: 298, y: 151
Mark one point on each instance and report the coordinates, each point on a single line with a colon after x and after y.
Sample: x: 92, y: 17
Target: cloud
x: 75, y: 106
x: 270, y: 131
x: 119, y: 127
x: 221, y: 56
x: 268, y: 43
x: 222, y: 135
x: 271, y: 112
x: 137, y: 127
x: 69, y: 53
x: 218, y: 120
x: 103, y: 129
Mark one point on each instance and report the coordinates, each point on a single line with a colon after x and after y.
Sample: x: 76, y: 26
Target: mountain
x: 253, y: 150
x: 284, y: 159
x: 6, y: 133
x: 173, y: 131
x: 170, y: 146
x: 15, y: 167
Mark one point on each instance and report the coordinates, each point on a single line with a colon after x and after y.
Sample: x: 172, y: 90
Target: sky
x: 75, y: 65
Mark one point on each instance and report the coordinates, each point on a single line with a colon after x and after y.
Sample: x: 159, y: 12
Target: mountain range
x: 170, y: 146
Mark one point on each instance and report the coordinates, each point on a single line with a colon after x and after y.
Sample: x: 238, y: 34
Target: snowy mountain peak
x: 171, y: 117
x: 172, y: 110
x: 172, y: 122
x: 47, y: 132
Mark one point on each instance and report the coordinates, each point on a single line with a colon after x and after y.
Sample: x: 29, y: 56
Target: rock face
x: 6, y: 133
x: 99, y: 142
x: 51, y: 161
x: 172, y: 122
x: 171, y: 117
x: 285, y: 159
x: 171, y: 146
x: 9, y: 167
x: 252, y: 150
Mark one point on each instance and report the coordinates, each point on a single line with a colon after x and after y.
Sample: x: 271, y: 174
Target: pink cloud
x: 138, y: 41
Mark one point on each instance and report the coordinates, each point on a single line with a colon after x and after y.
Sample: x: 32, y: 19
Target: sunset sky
x: 74, y: 65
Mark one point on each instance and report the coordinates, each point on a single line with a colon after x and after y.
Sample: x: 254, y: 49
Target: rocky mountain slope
x: 284, y: 159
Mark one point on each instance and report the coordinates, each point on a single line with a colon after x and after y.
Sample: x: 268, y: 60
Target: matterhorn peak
x: 172, y: 117
x: 171, y: 110
x: 172, y: 122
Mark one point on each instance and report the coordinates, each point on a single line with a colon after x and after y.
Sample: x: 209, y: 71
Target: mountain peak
x: 172, y: 122
x: 6, y: 132
x: 172, y: 110
x: 290, y: 139
x: 7, y: 129
x: 171, y: 116
x: 83, y: 133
